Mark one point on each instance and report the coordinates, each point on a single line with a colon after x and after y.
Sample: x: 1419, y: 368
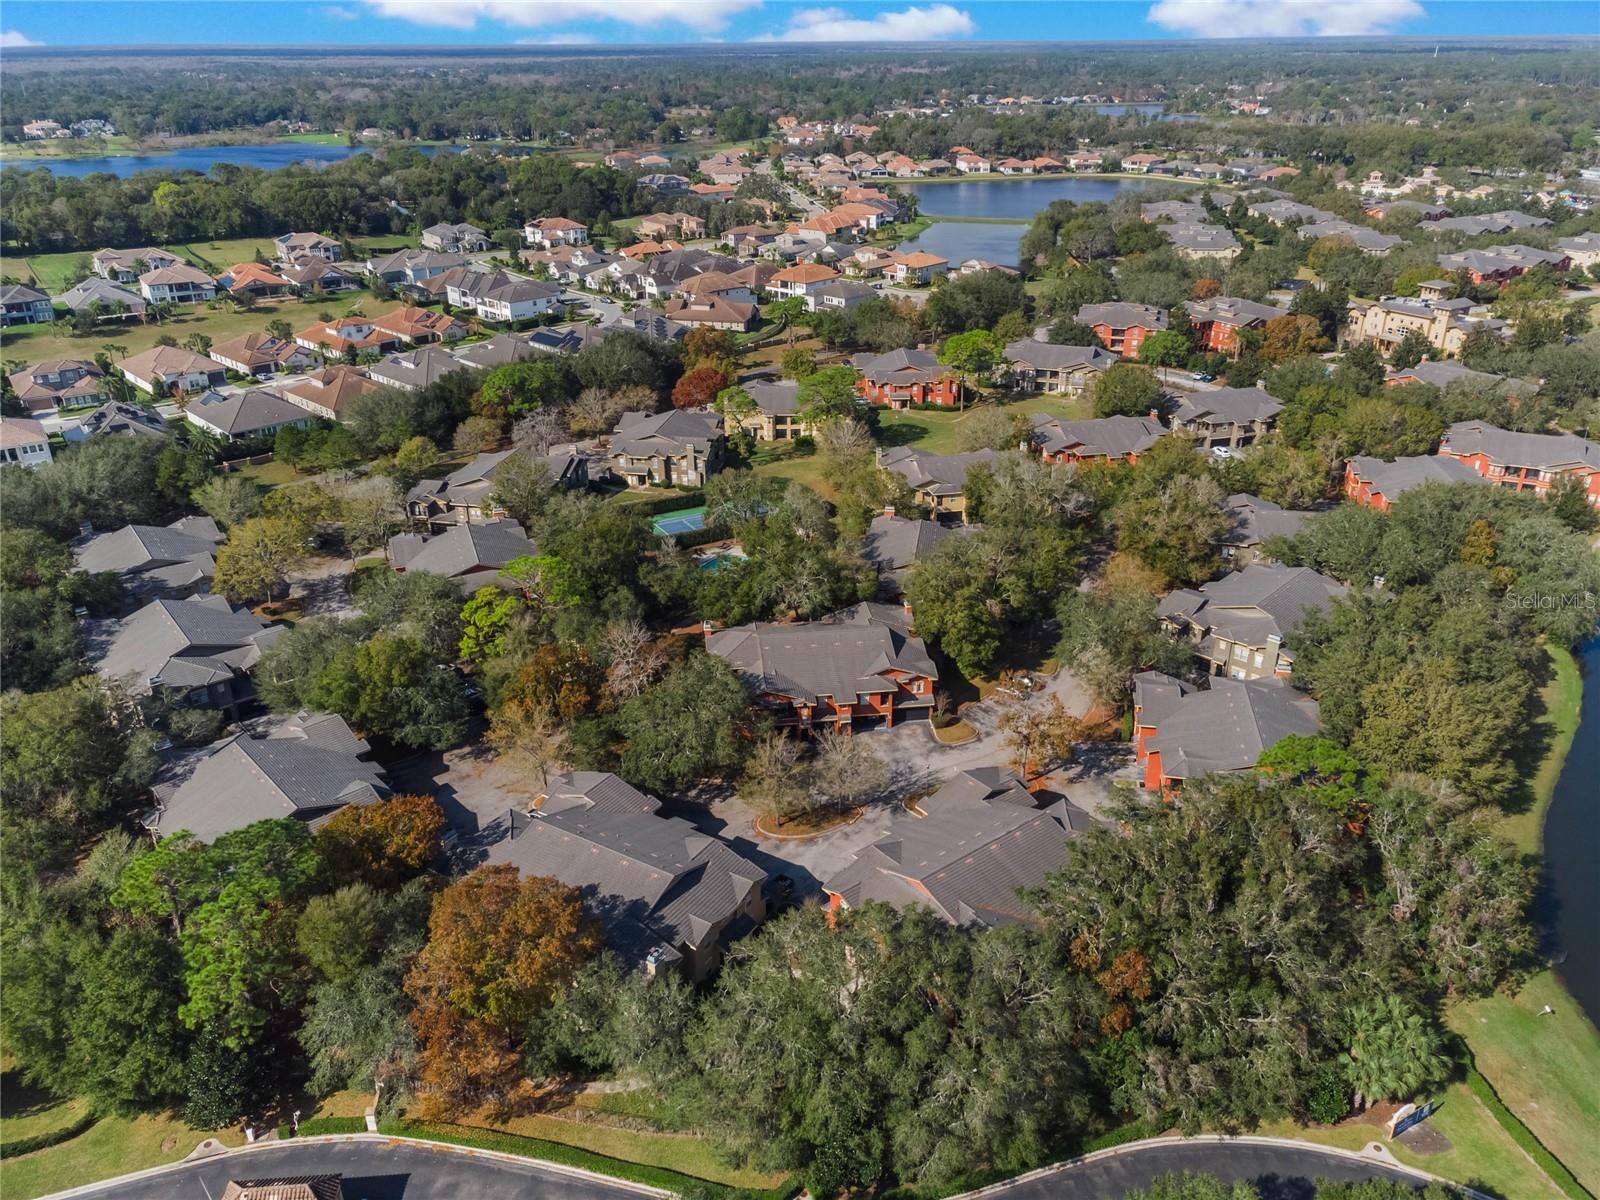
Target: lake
x: 268, y: 156
x: 1572, y: 848
x: 1018, y: 199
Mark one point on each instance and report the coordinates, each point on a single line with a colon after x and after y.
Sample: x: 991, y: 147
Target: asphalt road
x: 372, y: 1171
x: 1279, y: 1172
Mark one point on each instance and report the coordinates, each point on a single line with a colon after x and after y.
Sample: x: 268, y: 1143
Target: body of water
x: 268, y: 156
x: 1572, y: 851
x: 1017, y: 199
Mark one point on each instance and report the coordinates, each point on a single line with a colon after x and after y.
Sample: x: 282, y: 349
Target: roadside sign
x: 1415, y: 1117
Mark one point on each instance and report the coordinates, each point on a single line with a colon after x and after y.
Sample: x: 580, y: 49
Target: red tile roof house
x: 550, y: 232
x: 253, y: 279
x: 919, y: 267
x: 1217, y: 321
x: 261, y: 354
x: 1525, y: 462
x: 1121, y: 327
x: 1180, y: 734
x: 328, y: 393
x: 858, y: 669
x: 798, y: 280
x: 419, y: 326
x: 1378, y: 484
x: 1140, y: 163
x: 1106, y: 439
x: 353, y: 334
x: 902, y: 378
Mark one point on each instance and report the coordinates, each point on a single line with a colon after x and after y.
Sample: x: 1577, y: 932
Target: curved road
x: 1280, y: 1171
x: 373, y: 1169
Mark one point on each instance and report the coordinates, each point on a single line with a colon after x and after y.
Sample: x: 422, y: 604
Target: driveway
x: 322, y: 587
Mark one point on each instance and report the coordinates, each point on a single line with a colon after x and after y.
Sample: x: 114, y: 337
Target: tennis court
x: 683, y: 520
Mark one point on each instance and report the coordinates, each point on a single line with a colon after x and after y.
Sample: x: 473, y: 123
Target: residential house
x: 57, y: 383
x: 665, y: 184
x: 1524, y: 462
x: 409, y: 268
x: 1139, y: 164
x: 239, y: 416
x: 710, y: 312
x: 894, y: 544
x: 262, y: 355
x: 472, y: 555
x: 1581, y: 251
x: 1499, y: 223
x: 171, y: 370
x: 683, y: 446
x: 1289, y: 212
x: 671, y: 225
x: 973, y: 164
x: 460, y: 238
x: 1377, y: 483
x: 1038, y: 366
x: 414, y: 370
x: 180, y: 284
x: 776, y: 416
x: 1252, y: 521
x: 1386, y: 321
x: 297, y: 247
x: 1203, y: 241
x: 918, y: 268
x: 1501, y: 264
x: 938, y: 481
x: 419, y: 326
x: 506, y: 348
x: 286, y: 1187
x: 197, y: 652
x: 1240, y: 624
x: 901, y: 378
x: 252, y: 279
x: 23, y: 443
x: 1380, y: 209
x: 115, y: 417
x: 347, y: 335
x: 1179, y: 212
x: 1231, y: 417
x: 969, y: 852
x: 1104, y: 439
x: 838, y: 295
x: 713, y: 191
x: 861, y: 668
x: 20, y: 305
x: 1368, y: 241
x: 1217, y: 321
x: 718, y: 285
x: 972, y: 266
x: 1181, y: 734
x: 308, y: 767
x: 313, y: 276
x: 550, y: 232
x: 463, y: 496
x: 1121, y: 327
x: 668, y: 896
x: 800, y: 279
x: 329, y: 392
x: 125, y: 266
x: 1443, y: 374
x: 107, y: 300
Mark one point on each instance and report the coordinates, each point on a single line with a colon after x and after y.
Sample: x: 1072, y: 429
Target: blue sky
x: 657, y: 22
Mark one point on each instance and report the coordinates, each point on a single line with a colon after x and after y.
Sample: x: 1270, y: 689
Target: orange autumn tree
x: 382, y: 844
x: 499, y: 946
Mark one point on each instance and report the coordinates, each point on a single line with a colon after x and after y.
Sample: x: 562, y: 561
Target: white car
x: 1222, y: 452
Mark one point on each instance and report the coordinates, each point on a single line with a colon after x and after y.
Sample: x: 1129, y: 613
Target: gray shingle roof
x: 1225, y: 728
x: 1047, y: 356
x: 240, y: 414
x: 1368, y: 240
x: 1392, y: 479
x: 966, y: 851
x: 649, y: 878
x: 1231, y: 310
x: 416, y: 368
x: 472, y: 553
x: 309, y: 768
x: 1255, y: 520
x: 1107, y: 437
x: 175, y: 554
x: 940, y: 474
x: 841, y: 656
x: 893, y: 543
x: 183, y: 643
x: 900, y: 366
x: 1122, y: 316
x: 1252, y: 605
x: 668, y: 433
x: 1503, y: 221
x: 775, y: 397
x: 1240, y: 406
x: 81, y: 295
x: 1546, y: 451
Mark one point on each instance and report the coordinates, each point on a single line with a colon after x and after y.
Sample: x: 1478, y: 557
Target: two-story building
x: 1122, y: 327
x: 937, y: 481
x: 125, y: 266
x: 171, y: 370
x: 1524, y: 462
x: 776, y: 416
x: 1116, y: 439
x: 262, y: 355
x: 180, y: 284
x: 858, y: 669
x: 466, y: 495
x: 297, y: 247
x: 1182, y: 734
x: 1240, y: 624
x: 23, y: 443
x: 905, y: 377
x: 550, y: 232
x: 1044, y: 367
x: 1231, y: 417
x: 47, y: 387
x: 1378, y: 483
x: 458, y: 238
x: 1217, y: 321
x: 683, y: 446
x: 22, y: 305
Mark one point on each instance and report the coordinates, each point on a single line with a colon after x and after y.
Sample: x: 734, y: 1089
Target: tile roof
x: 472, y: 553
x: 241, y: 414
x: 1118, y: 315
x: 1102, y: 437
x: 182, y: 642
x: 1228, y: 727
x: 1394, y: 478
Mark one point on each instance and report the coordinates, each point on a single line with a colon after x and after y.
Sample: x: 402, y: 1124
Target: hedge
x: 317, y: 1125
x: 670, y: 501
x: 1524, y: 1137
x: 572, y: 1156
x: 53, y: 1137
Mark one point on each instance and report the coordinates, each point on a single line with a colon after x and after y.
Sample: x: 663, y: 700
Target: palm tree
x: 1394, y: 1051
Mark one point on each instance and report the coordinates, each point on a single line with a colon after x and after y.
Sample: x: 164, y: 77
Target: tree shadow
x: 19, y: 1099
x: 901, y: 433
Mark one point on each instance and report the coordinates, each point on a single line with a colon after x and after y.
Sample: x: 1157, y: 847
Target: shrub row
x: 53, y: 1137
x: 1524, y: 1137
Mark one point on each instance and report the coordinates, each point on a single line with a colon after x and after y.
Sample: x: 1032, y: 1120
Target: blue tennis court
x: 683, y: 520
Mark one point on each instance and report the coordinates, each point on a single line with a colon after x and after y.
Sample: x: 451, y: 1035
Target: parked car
x: 1222, y: 452
x: 1202, y: 377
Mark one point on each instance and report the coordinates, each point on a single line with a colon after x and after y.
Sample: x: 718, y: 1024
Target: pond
x: 1572, y: 848
x: 959, y: 241
x: 268, y: 156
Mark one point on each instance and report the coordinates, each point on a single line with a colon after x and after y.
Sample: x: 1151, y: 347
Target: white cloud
x: 338, y: 12
x: 1282, y: 18
x: 12, y: 40
x: 703, y: 16
x: 910, y: 25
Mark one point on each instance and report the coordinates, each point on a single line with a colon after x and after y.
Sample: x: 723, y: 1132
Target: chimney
x: 1262, y: 384
x: 706, y: 628
x: 1155, y: 414
x: 905, y: 606
x: 888, y: 510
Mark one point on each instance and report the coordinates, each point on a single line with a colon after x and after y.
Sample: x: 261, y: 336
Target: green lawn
x: 26, y: 1112
x: 270, y: 474
x: 682, y: 1152
x: 937, y: 431
x: 1481, y: 1154
x: 114, y: 1146
x: 315, y: 139
x: 33, y: 343
x: 798, y: 468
